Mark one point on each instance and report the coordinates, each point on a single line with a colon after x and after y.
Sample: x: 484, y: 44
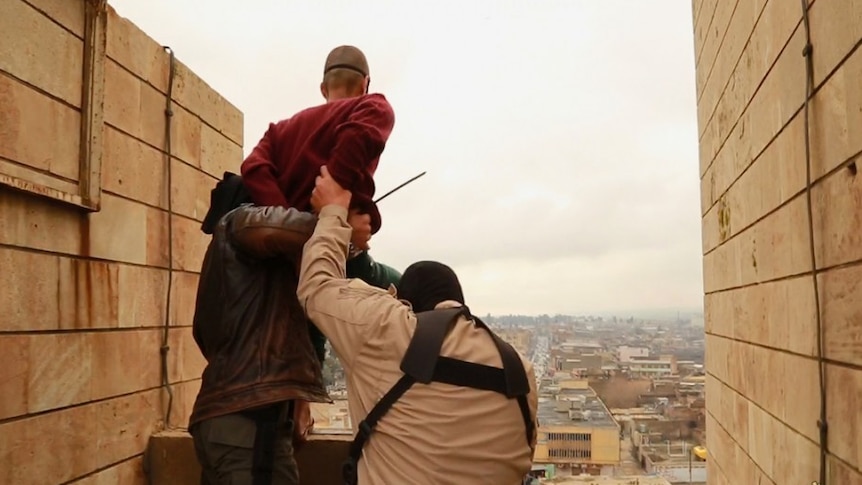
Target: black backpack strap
x: 422, y: 363
x: 469, y: 374
x: 350, y: 468
x: 516, y: 376
x: 528, y: 422
x: 418, y: 365
x: 424, y: 349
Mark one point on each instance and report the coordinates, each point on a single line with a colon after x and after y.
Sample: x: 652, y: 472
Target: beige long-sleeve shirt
x: 436, y: 433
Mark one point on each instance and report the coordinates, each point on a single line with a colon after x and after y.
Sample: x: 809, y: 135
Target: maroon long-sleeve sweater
x: 347, y: 136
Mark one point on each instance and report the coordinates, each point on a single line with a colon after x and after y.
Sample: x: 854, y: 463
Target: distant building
x: 628, y: 480
x: 666, y: 365
x: 627, y: 354
x: 577, y: 433
x: 521, y: 339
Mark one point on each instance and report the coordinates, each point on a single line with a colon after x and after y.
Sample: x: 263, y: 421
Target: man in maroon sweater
x: 347, y: 134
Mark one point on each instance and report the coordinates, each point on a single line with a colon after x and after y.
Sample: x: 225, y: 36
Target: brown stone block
x: 184, y: 294
x: 841, y: 294
x: 190, y: 244
x: 717, y: 355
x: 69, y: 14
x: 715, y: 473
x: 129, y: 472
x: 186, y: 361
x: 29, y: 297
x: 843, y: 395
x: 733, y: 415
x: 175, y: 355
x: 125, y: 362
x: 219, y: 154
x: 760, y: 389
x: 775, y: 247
x: 742, y: 378
x: 701, y: 27
x: 747, y: 130
x: 836, y: 118
x: 720, y: 445
x: 787, y: 316
x: 37, y: 223
x: 739, y: 31
x: 761, y: 429
x: 194, y: 94
x: 51, y: 448
x: 775, y: 177
x: 133, y: 106
x: 740, y: 420
x: 837, y: 208
x: 745, y: 470
x: 87, y: 294
x: 152, y: 116
x: 186, y: 136
x: 836, y: 28
x: 171, y: 459
x: 842, y: 474
x: 798, y: 461
x: 185, y: 394
x: 775, y: 382
x: 14, y: 371
x: 695, y: 9
x: 119, y: 232
x: 40, y: 52
x: 193, y: 360
x: 157, y: 238
x: 60, y: 371
x: 36, y: 130
x: 801, y: 394
x: 133, y: 169
x: 122, y: 99
x: 714, y: 389
x: 124, y: 425
x: 714, y: 41
x: 129, y: 46
x: 191, y: 191
x: 142, y: 296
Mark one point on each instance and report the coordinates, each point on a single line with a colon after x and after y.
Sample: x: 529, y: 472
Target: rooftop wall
x: 86, y: 262
x: 763, y: 391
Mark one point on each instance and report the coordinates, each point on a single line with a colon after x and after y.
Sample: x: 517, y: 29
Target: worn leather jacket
x: 248, y: 322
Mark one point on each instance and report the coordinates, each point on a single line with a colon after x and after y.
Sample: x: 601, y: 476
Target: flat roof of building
x: 604, y: 480
x: 598, y: 416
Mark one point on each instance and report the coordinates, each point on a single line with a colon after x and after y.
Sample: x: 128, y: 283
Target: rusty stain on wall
x: 723, y: 219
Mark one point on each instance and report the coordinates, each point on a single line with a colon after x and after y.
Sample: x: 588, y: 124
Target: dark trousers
x: 225, y: 447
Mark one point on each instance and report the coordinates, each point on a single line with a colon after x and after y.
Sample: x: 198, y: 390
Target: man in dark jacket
x: 255, y: 336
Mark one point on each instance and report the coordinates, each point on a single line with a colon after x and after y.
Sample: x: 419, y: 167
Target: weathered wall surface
x: 84, y: 292
x: 762, y: 388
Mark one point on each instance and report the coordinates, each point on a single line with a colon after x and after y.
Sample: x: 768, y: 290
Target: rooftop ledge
x: 171, y: 458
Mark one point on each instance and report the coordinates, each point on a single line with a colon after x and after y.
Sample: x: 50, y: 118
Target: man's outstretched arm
x: 348, y: 312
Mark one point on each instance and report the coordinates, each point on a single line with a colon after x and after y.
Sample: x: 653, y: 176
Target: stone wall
x: 85, y: 256
x: 763, y: 392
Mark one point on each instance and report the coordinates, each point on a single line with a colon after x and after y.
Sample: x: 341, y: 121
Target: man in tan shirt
x: 435, y: 433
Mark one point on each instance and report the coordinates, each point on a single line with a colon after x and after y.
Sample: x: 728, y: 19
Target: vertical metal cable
x: 822, y: 425
x: 169, y: 113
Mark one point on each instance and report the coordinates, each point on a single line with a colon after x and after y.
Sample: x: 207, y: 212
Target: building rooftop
x: 574, y: 407
x: 602, y: 480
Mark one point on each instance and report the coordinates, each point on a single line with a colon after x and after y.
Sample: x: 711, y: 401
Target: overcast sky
x: 559, y: 136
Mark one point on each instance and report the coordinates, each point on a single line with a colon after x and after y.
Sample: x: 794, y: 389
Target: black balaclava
x: 427, y: 283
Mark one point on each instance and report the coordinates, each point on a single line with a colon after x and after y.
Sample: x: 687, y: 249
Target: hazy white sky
x: 559, y: 136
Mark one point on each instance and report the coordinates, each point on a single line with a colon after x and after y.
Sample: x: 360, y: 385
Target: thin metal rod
x: 387, y: 194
